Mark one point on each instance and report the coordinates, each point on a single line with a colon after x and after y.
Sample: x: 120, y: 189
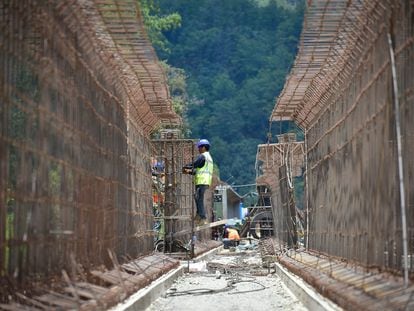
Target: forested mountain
x: 236, y: 55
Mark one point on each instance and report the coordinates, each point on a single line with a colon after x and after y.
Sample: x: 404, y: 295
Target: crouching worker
x: 231, y: 237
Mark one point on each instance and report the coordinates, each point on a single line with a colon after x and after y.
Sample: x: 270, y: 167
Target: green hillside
x: 236, y: 55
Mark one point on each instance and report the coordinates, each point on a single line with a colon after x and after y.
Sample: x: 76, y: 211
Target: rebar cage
x: 277, y: 165
x: 174, y: 205
x: 341, y: 93
x: 80, y: 92
x: 173, y: 191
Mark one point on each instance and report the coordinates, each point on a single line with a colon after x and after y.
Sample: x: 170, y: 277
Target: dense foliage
x: 236, y: 55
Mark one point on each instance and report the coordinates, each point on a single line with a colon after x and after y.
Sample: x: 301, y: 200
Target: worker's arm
x: 199, y: 162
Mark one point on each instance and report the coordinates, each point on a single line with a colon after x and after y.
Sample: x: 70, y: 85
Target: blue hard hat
x: 203, y: 142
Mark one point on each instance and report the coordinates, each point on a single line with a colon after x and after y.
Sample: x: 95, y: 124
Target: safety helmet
x: 203, y: 142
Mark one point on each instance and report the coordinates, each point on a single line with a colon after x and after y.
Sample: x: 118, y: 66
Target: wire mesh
x: 347, y: 109
x: 175, y: 190
x: 277, y: 165
x: 80, y: 91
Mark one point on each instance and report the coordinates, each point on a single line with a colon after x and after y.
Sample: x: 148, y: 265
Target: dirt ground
x: 229, y: 280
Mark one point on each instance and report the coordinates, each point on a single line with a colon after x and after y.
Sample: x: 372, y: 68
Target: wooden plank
x: 52, y: 299
x: 182, y: 217
x: 83, y: 292
x: 14, y: 307
x: 113, y: 277
x: 158, y: 260
x: 150, y: 267
x: 34, y: 302
x: 99, y: 290
x: 107, y: 278
x: 203, y: 227
x: 140, y: 268
x: 211, y: 225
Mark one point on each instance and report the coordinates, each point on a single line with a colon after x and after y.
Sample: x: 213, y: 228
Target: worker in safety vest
x: 202, y: 169
x: 231, y: 238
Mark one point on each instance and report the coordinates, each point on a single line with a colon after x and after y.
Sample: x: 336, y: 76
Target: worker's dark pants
x: 199, y: 199
x: 229, y: 243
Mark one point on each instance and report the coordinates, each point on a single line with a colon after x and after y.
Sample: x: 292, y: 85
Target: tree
x: 155, y: 23
x: 236, y: 55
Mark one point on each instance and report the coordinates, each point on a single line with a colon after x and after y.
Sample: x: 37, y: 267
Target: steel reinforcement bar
x: 81, y: 90
x: 341, y: 92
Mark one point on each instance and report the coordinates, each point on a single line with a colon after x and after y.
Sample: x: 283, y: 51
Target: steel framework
x: 341, y: 93
x: 81, y: 90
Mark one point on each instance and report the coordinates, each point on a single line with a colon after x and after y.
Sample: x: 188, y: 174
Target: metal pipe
x: 400, y: 160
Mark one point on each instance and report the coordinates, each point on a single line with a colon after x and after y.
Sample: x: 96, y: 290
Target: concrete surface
x: 223, y: 279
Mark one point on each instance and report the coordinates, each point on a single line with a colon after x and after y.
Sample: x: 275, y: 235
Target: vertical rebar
x: 192, y: 210
x: 400, y: 159
x: 306, y: 187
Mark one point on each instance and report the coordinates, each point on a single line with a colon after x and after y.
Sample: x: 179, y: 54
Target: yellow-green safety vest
x: 204, y: 175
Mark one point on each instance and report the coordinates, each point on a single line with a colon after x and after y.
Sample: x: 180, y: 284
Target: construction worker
x: 202, y: 168
x: 231, y: 238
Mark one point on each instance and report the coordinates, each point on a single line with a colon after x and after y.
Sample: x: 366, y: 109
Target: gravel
x: 235, y: 280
